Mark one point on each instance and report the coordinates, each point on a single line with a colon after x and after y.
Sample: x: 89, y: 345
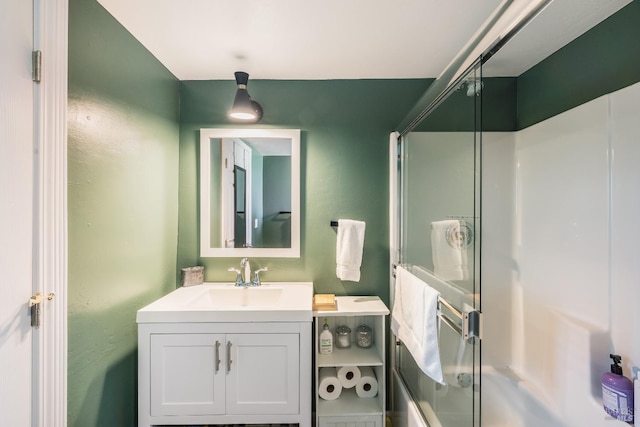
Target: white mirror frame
x: 206, y: 249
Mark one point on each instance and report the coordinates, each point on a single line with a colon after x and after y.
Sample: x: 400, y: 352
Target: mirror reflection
x: 249, y: 202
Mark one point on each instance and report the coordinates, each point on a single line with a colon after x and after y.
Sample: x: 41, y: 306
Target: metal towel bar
x: 471, y: 320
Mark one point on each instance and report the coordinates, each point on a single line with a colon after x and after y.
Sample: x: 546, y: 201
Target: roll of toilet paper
x: 367, y: 385
x: 329, y: 387
x: 348, y: 376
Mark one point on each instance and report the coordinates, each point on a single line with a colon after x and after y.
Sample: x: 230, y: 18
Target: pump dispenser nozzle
x: 615, y: 367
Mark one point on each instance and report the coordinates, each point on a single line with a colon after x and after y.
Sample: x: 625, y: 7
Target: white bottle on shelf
x: 326, y: 339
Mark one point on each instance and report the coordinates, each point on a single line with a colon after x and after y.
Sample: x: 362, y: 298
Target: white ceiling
x: 335, y: 39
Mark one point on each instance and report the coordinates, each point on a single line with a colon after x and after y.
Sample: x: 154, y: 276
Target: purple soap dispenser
x: 617, y: 392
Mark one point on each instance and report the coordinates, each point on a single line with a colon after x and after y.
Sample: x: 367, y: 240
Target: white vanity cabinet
x: 350, y: 409
x: 224, y: 373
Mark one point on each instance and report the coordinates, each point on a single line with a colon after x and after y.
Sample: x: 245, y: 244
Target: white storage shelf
x: 349, y: 408
x: 354, y: 356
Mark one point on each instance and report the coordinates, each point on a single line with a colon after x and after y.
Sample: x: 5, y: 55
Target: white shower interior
x: 560, y: 201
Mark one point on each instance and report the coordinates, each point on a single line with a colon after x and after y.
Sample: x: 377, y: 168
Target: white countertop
x: 224, y: 302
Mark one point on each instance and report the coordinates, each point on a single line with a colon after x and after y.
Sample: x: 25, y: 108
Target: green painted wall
x: 602, y: 60
x: 123, y: 209
x: 345, y: 135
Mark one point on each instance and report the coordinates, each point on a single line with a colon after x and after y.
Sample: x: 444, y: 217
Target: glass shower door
x: 440, y: 243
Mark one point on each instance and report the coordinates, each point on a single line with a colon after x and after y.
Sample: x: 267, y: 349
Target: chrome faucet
x: 247, y: 269
x: 246, y: 279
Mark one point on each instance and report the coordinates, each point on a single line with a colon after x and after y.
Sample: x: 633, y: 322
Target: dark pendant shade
x: 244, y: 108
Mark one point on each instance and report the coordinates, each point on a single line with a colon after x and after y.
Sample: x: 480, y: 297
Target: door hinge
x: 34, y: 305
x: 36, y: 66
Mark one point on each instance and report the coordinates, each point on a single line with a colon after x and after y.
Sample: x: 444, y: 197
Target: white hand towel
x: 449, y: 261
x: 414, y: 320
x: 350, y: 241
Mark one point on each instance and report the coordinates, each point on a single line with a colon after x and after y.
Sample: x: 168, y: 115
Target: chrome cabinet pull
x: 228, y: 356
x: 217, y: 361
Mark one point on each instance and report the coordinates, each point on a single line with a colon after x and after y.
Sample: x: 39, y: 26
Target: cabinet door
x: 264, y: 374
x: 187, y: 374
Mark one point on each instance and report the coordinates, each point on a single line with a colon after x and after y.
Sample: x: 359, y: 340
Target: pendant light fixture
x: 244, y: 108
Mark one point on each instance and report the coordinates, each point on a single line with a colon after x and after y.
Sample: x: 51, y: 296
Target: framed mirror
x: 250, y: 193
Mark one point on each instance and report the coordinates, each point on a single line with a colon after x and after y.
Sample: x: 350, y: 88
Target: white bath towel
x: 448, y: 252
x: 414, y: 320
x: 349, y: 245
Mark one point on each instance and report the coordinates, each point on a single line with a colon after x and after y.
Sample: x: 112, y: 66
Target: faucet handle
x: 238, y: 275
x: 256, y: 275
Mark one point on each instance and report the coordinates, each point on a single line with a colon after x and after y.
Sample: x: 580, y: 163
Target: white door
x: 235, y: 153
x: 228, y: 215
x: 16, y: 211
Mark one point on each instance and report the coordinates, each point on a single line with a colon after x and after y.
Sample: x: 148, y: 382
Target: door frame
x: 49, y: 404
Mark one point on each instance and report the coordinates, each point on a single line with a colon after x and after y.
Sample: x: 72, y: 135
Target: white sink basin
x: 224, y: 302
x: 239, y: 297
